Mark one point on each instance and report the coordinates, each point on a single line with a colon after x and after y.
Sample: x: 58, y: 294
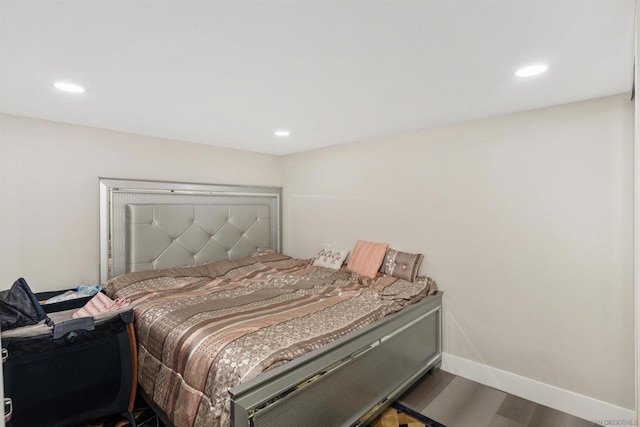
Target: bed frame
x: 347, y: 382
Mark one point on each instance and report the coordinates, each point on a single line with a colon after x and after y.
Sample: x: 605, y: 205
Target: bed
x: 252, y: 336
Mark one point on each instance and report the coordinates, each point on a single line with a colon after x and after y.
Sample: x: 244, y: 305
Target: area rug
x: 398, y: 415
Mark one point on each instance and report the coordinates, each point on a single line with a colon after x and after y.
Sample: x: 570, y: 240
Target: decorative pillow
x: 330, y: 257
x: 367, y: 258
x: 402, y: 264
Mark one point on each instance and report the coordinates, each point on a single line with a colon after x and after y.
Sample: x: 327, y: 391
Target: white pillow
x: 331, y: 257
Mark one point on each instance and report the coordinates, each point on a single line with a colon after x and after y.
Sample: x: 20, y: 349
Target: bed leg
x: 435, y: 369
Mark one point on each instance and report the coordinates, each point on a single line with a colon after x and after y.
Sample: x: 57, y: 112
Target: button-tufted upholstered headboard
x: 163, y: 236
x: 148, y: 225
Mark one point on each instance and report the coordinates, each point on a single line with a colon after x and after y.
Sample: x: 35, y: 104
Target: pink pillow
x: 367, y: 258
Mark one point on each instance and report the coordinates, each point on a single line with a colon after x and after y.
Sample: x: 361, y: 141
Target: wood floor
x: 458, y: 402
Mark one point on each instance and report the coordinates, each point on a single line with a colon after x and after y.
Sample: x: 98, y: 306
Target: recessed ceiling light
x: 69, y: 87
x: 532, y: 70
x: 282, y: 133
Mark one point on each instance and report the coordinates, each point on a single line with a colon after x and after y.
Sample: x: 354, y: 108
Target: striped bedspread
x: 204, y: 329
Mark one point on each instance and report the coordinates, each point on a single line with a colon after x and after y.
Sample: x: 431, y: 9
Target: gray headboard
x: 148, y: 225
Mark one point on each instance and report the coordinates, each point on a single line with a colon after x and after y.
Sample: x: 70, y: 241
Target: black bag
x: 19, y: 306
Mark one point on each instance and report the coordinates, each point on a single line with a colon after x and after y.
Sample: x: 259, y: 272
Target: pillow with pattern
x: 330, y: 257
x: 402, y: 265
x: 367, y: 258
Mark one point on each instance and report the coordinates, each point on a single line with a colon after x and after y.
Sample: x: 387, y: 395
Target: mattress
x: 204, y: 329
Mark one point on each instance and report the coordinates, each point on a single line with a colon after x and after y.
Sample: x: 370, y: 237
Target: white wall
x: 49, y: 190
x: 526, y: 223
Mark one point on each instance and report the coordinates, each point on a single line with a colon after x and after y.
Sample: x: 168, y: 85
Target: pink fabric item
x: 367, y: 258
x: 100, y: 303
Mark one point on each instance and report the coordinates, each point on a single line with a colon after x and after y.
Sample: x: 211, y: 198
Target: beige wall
x: 526, y: 223
x: 49, y: 190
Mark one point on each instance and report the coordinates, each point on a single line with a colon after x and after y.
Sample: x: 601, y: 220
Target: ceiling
x: 230, y: 73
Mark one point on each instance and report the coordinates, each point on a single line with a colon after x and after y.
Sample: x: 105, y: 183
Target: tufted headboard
x: 148, y: 225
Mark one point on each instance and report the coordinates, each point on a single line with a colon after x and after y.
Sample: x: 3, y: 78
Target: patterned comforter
x: 204, y: 329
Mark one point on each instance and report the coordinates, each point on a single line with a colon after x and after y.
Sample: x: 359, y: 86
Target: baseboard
x: 581, y: 406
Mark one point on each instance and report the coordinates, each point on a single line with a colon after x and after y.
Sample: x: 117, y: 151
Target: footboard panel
x: 351, y: 382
